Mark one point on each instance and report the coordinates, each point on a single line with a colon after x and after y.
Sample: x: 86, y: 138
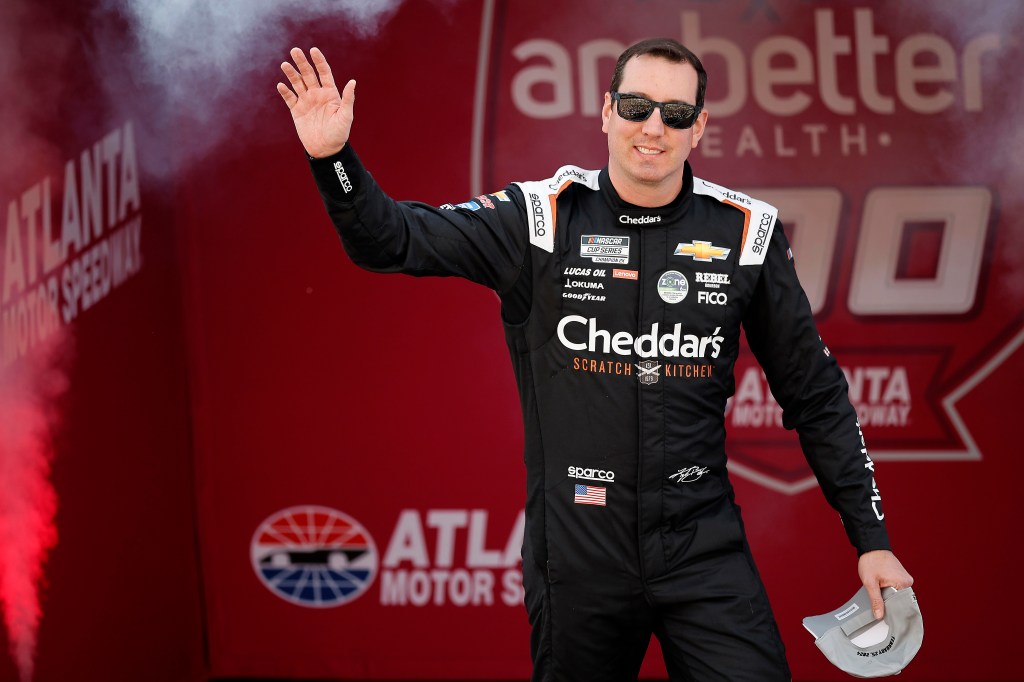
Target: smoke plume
x: 31, y: 35
x: 214, y: 64
x: 211, y: 65
x: 29, y: 389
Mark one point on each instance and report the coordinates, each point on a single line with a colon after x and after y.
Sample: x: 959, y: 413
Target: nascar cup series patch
x: 602, y: 248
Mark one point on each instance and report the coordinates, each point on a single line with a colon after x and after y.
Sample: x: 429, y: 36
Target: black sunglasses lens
x: 674, y: 115
x: 678, y: 115
x: 635, y: 109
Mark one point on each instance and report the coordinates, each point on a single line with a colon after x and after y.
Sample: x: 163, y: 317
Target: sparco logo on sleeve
x: 346, y: 184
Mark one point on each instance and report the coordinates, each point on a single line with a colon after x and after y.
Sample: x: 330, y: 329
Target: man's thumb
x: 348, y: 95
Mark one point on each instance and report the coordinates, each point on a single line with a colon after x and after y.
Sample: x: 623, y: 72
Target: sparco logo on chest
x: 671, y: 344
x: 592, y: 474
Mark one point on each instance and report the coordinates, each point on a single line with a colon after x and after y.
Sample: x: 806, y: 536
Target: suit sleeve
x: 812, y: 391
x: 486, y: 245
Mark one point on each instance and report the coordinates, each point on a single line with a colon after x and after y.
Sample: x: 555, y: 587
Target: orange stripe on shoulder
x: 746, y: 220
x: 553, y: 198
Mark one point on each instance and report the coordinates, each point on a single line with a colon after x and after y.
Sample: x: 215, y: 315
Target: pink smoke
x: 31, y: 380
x: 29, y: 389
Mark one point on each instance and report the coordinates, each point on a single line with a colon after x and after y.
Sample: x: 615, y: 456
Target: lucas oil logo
x: 314, y: 556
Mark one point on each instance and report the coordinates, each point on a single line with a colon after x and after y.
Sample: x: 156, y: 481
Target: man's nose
x: 654, y: 125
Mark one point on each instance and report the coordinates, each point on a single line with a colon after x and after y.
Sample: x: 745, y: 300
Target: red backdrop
x: 326, y: 408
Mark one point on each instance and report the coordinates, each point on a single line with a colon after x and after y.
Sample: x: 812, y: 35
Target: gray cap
x: 855, y: 642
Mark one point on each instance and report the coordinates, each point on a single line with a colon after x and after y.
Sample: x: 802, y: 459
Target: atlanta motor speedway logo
x: 314, y: 556
x: 319, y: 557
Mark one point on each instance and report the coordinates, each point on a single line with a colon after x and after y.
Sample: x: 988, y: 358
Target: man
x: 624, y: 369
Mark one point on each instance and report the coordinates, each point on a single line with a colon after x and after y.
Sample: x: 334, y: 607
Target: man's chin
x: 650, y: 176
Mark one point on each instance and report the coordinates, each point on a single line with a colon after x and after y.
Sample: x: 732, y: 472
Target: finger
x: 308, y: 74
x: 294, y: 78
x: 899, y: 583
x: 348, y: 97
x: 323, y: 69
x: 287, y: 95
x: 877, y: 604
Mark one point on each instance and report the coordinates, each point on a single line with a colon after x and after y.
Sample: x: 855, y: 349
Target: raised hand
x: 322, y: 115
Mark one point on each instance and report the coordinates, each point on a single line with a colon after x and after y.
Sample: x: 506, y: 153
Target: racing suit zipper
x: 640, y: 422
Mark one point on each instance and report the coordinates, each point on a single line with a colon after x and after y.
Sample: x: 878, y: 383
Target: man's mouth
x: 648, y: 151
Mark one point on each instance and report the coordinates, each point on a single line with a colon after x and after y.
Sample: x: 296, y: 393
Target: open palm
x: 322, y: 116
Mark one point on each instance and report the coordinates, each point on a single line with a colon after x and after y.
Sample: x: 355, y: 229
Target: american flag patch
x: 590, y: 494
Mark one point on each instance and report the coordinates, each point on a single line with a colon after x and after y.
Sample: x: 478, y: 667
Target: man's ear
x: 698, y: 128
x: 606, y: 112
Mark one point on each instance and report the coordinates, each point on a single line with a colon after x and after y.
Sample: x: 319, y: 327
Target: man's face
x: 647, y: 157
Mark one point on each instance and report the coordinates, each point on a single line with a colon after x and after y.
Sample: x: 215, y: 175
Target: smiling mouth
x: 647, y: 151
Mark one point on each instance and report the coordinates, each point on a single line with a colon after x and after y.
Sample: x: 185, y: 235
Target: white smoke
x: 213, y: 65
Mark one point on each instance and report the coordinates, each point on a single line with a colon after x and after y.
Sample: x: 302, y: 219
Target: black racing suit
x: 623, y: 327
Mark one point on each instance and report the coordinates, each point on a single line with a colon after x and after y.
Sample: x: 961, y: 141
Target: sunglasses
x: 673, y: 114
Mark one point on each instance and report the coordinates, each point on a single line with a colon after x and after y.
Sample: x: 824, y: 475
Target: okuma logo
x: 314, y: 556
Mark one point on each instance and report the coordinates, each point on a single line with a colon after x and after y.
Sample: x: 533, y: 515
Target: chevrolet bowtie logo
x: 702, y: 251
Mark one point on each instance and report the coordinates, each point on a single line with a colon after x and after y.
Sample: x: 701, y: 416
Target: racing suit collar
x: 641, y: 216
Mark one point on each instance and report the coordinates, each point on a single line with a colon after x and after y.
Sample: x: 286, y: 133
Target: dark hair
x: 663, y: 48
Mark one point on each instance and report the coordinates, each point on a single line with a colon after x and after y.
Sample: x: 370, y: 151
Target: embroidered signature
x: 688, y: 475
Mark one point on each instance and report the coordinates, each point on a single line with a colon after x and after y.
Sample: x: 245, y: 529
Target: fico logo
x: 712, y: 297
x: 314, y: 556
